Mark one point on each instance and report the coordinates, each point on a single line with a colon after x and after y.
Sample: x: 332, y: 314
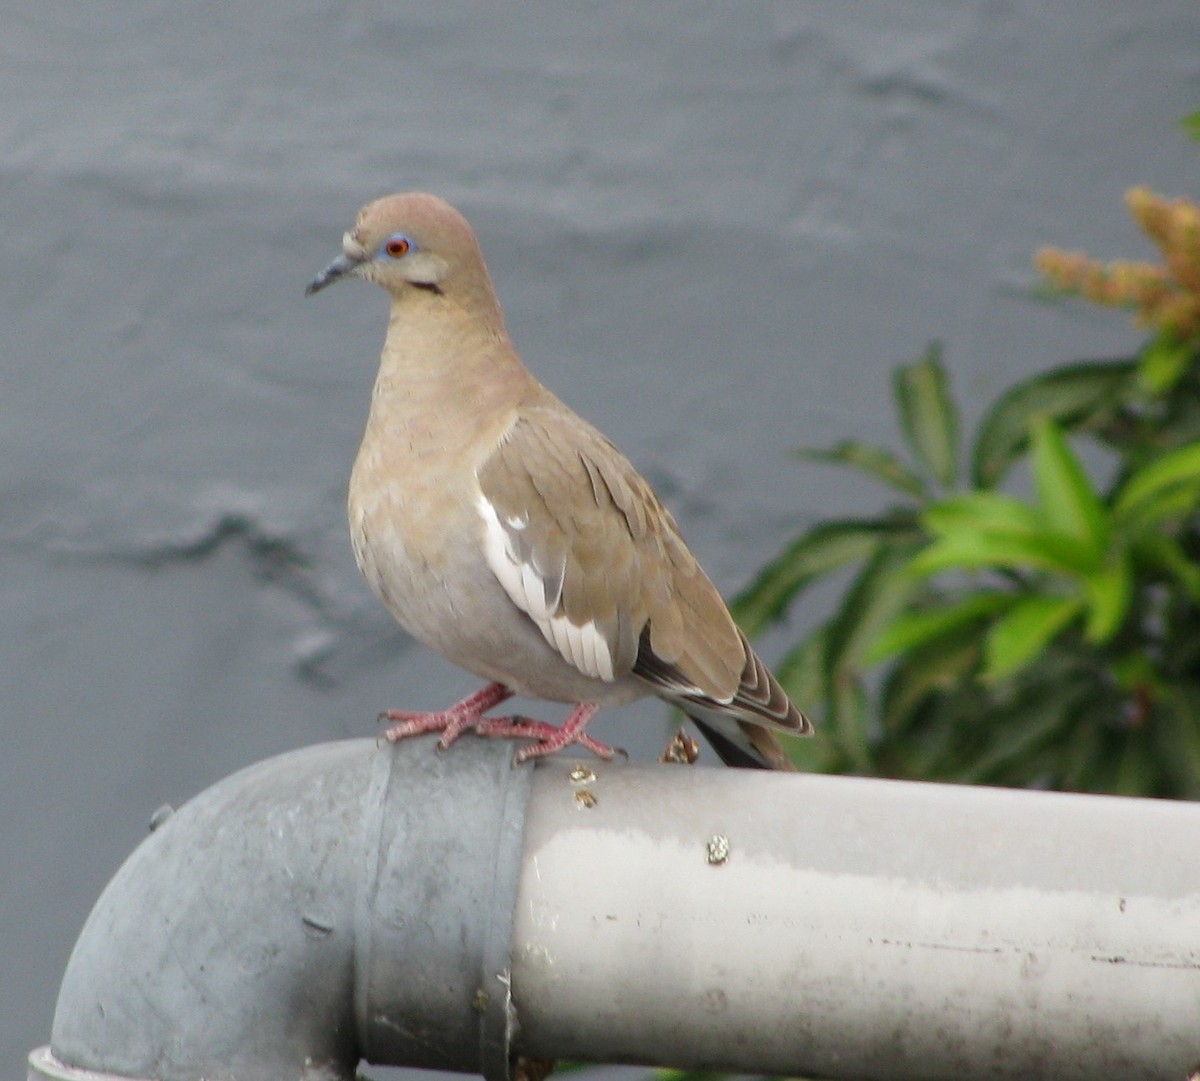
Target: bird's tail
x: 754, y: 747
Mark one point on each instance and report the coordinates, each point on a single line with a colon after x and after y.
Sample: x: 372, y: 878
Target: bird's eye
x: 397, y: 246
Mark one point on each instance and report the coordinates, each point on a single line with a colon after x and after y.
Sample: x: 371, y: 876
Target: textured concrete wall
x: 714, y: 226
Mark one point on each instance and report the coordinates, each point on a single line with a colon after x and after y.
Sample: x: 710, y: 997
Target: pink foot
x: 550, y: 737
x: 450, y: 722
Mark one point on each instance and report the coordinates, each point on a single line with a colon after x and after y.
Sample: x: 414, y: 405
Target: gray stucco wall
x: 715, y: 227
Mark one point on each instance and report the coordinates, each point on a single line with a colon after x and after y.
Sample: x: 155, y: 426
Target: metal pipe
x: 851, y: 928
x: 348, y: 902
x: 336, y: 903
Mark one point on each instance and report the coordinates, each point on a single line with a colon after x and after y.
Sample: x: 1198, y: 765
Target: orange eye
x: 397, y: 246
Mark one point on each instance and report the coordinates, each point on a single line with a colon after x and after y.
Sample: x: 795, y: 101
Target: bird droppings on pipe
x: 681, y: 751
x: 717, y: 851
x: 581, y: 774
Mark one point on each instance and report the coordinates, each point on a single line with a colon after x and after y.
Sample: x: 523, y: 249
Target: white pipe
x: 856, y: 928
x: 412, y: 908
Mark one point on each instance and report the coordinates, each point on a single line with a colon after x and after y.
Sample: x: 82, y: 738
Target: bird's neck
x: 447, y: 375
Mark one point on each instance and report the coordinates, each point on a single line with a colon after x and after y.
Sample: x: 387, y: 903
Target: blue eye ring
x: 397, y: 246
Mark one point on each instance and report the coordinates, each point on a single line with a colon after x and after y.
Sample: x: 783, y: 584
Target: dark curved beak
x: 339, y: 268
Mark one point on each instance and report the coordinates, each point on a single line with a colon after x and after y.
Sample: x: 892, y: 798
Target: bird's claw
x: 548, y: 738
x: 468, y: 714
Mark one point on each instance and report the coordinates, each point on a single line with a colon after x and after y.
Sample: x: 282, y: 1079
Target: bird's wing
x: 583, y: 546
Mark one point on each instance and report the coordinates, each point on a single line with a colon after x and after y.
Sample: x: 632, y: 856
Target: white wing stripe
x: 584, y: 647
x: 533, y: 588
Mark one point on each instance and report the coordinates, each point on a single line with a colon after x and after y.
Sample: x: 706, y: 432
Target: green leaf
x: 1191, y: 124
x: 931, y: 745
x: 1182, y: 728
x: 1108, y: 593
x: 1164, y: 362
x: 1179, y: 467
x: 1166, y: 554
x: 1079, y: 395
x: 823, y: 549
x: 1159, y: 511
x: 874, y: 461
x: 1037, y: 721
x: 974, y: 511
x: 1018, y: 637
x: 1081, y: 755
x: 1136, y: 772
x: 1068, y: 503
x: 929, y: 415
x: 850, y: 718
x: 1135, y: 672
x: 877, y: 595
x: 1018, y: 551
x: 816, y: 754
x: 802, y: 670
x: 911, y: 630
x: 941, y: 666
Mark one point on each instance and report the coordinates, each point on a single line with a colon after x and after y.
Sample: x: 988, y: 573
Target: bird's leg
x: 450, y: 722
x: 550, y: 737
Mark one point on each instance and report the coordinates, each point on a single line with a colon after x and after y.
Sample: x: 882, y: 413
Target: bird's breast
x: 405, y: 527
x: 417, y: 538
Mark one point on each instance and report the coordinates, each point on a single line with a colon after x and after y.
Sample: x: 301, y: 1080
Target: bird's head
x: 407, y: 242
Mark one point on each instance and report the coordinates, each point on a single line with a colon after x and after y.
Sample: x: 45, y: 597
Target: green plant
x: 1050, y: 639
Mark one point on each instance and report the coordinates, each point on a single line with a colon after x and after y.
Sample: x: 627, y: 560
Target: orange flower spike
x: 1152, y: 213
x: 1063, y: 269
x: 1139, y: 285
x: 1181, y: 314
x: 1183, y: 251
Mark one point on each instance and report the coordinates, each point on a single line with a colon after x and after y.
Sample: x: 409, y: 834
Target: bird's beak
x: 339, y: 268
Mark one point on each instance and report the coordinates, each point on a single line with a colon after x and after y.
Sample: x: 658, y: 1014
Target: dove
x: 506, y: 533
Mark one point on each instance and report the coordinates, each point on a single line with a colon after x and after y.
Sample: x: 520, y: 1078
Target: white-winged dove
x: 506, y: 533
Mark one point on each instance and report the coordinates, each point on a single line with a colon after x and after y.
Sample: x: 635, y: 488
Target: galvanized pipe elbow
x: 336, y: 903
